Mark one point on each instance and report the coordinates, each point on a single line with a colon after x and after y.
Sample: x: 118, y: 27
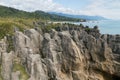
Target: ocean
x: 105, y: 26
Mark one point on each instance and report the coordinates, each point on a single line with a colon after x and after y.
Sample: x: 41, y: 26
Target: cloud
x: 30, y: 5
x: 106, y: 8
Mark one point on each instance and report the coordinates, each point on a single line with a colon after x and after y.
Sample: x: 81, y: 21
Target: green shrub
x: 88, y: 30
x: 7, y: 25
x: 5, y: 28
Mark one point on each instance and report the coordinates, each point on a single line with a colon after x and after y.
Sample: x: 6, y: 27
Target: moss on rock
x: 23, y: 74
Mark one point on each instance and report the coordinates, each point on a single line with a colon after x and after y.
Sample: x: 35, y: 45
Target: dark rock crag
x: 62, y: 54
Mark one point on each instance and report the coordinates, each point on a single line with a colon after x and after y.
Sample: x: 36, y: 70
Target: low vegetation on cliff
x: 7, y: 25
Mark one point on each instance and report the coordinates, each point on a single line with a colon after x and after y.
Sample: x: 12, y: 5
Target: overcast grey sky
x: 106, y: 8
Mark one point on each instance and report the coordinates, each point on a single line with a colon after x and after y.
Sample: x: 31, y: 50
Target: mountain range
x: 79, y: 16
x: 54, y: 16
x: 12, y: 12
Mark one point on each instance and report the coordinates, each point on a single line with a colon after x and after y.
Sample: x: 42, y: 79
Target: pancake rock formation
x: 68, y: 53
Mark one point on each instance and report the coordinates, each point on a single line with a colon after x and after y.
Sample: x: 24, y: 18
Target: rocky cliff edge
x: 60, y: 54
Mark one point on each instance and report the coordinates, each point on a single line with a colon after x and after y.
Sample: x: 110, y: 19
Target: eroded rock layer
x: 61, y: 54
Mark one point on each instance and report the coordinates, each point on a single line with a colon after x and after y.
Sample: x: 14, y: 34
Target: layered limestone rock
x: 15, y: 75
x: 6, y: 66
x: 67, y: 53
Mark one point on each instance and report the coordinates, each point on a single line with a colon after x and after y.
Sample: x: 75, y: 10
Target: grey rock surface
x: 67, y: 53
x: 15, y: 75
x: 6, y: 66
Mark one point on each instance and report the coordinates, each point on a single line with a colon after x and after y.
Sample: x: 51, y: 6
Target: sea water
x: 105, y: 26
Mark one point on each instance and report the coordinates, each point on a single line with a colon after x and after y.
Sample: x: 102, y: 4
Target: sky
x: 106, y: 8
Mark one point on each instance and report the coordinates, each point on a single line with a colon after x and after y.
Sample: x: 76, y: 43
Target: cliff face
x: 61, y: 54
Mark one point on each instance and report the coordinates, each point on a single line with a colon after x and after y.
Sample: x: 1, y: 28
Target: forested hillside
x: 15, y: 13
